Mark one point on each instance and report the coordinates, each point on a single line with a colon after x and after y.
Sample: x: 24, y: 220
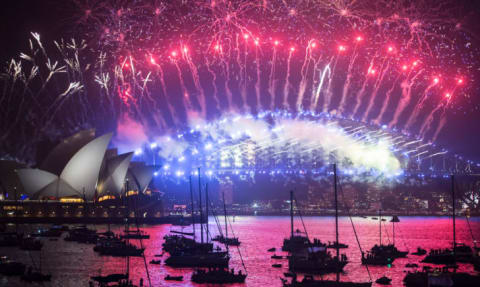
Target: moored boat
x: 335, y: 263
x: 381, y: 254
x: 218, y: 276
x: 232, y: 241
x: 420, y: 251
x: 463, y: 253
x: 11, y: 268
x: 443, y: 276
x: 384, y: 280
x: 110, y: 278
x: 173, y: 278
x: 117, y: 247
x: 440, y: 277
x: 135, y: 234
x: 376, y: 259
x: 82, y: 234
x: 334, y: 245
x: 321, y: 262
x: 52, y: 232
x: 309, y: 281
x: 178, y: 243
x: 210, y: 259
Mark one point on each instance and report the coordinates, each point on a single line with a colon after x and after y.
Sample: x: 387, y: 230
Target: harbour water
x: 72, y: 264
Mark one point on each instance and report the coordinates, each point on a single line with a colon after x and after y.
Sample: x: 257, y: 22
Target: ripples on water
x: 72, y: 264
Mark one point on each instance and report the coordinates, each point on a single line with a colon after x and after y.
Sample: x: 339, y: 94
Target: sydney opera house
x: 80, y: 180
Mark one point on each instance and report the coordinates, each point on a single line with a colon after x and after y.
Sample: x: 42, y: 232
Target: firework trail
x: 346, y: 87
x: 418, y: 106
x: 429, y: 120
x: 320, y: 85
x: 196, y: 80
x: 257, y: 82
x: 405, y: 98
x: 186, y: 96
x: 214, y: 82
x: 360, y: 94
x: 328, y: 92
x: 375, y: 91
x: 440, y: 126
x: 304, y: 71
x: 287, y: 76
x: 448, y: 101
x: 242, y: 72
x: 271, y: 81
x: 131, y: 61
x: 226, y: 73
x: 386, y: 101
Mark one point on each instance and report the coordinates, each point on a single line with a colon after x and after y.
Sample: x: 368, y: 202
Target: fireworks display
x: 249, y: 85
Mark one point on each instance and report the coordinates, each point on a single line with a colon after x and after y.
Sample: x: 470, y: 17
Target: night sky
x: 54, y: 20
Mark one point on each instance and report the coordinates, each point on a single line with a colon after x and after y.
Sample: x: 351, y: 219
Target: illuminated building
x: 90, y: 184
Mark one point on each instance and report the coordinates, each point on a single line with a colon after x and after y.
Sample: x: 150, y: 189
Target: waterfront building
x: 86, y: 182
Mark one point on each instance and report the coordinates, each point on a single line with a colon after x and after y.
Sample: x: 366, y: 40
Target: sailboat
x: 220, y: 275
x: 135, y: 234
x: 383, y: 254
x: 233, y: 241
x: 297, y: 241
x: 179, y: 242
x: 194, y: 254
x: 35, y: 275
x: 443, y: 276
x: 314, y: 259
x: 463, y: 253
x: 113, y: 246
x: 82, y: 234
x: 308, y: 280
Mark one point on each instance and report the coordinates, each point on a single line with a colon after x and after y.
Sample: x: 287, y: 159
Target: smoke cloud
x: 129, y: 135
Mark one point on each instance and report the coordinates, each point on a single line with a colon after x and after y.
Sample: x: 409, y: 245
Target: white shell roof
x: 79, y: 176
x: 59, y: 156
x: 115, y: 172
x: 139, y: 176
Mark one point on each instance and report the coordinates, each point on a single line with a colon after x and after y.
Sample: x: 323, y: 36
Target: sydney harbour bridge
x: 286, y: 147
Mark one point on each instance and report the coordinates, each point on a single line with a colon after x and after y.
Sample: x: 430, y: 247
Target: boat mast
x: 393, y: 231
x: 225, y: 212
x: 291, y: 213
x: 336, y: 215
x: 206, y: 205
x: 226, y: 225
x: 126, y: 228
x: 200, y: 205
x: 453, y: 216
x: 191, y: 199
x: 380, y: 223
